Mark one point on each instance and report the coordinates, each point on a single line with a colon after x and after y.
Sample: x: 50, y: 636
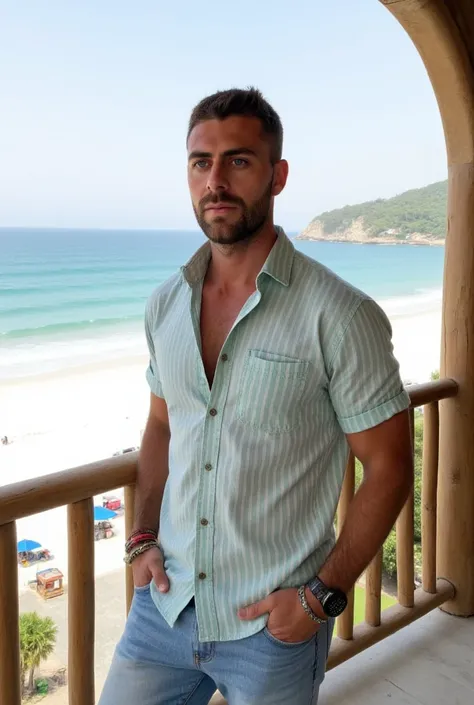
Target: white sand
x: 61, y: 421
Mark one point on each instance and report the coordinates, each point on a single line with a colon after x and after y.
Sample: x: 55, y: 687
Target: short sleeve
x: 365, y: 386
x: 152, y: 374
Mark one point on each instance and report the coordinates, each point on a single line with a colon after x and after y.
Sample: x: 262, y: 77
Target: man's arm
x: 151, y: 479
x: 386, y: 455
x: 152, y: 466
x: 385, y: 452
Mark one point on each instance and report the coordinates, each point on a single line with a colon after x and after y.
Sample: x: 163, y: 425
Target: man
x: 264, y: 368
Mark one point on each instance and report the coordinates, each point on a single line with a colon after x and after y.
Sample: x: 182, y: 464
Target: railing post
x: 10, y: 690
x: 373, y: 590
x: 429, y: 487
x: 81, y: 602
x: 455, y: 535
x: 345, y: 623
x: 405, y: 542
x: 129, y: 498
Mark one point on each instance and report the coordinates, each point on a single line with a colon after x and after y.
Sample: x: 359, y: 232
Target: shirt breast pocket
x: 270, y: 392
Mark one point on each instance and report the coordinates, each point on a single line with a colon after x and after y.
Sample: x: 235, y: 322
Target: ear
x: 280, y: 175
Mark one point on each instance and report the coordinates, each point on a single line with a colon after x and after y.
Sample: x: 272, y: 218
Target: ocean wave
x: 423, y: 301
x: 149, y: 282
x: 69, y: 270
x: 77, y: 303
x: 87, y: 325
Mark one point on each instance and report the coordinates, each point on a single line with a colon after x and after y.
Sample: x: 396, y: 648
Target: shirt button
x: 208, y: 466
x: 202, y: 576
x: 213, y: 412
x: 204, y: 522
x: 224, y: 357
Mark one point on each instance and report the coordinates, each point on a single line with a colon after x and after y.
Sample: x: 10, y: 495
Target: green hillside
x: 421, y: 210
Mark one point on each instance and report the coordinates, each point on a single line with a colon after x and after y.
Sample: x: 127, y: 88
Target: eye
x: 201, y: 164
x: 238, y: 161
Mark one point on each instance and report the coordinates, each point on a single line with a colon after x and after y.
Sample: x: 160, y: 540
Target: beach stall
x: 49, y: 583
x: 31, y: 552
x: 103, y: 529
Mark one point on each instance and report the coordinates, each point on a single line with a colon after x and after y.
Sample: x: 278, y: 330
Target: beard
x: 251, y: 221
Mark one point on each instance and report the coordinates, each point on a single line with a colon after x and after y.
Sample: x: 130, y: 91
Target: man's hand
x: 150, y: 566
x: 287, y: 621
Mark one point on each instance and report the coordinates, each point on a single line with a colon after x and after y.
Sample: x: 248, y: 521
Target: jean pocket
x: 142, y: 588
x: 270, y: 392
x: 287, y: 644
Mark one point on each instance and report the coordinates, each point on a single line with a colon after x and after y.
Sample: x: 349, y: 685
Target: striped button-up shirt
x: 256, y: 462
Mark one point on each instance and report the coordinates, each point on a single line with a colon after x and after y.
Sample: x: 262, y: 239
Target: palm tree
x: 37, y: 642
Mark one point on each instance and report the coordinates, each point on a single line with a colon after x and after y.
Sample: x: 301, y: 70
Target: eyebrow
x: 227, y: 153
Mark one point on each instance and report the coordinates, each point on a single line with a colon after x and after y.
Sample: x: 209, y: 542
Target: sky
x: 95, y: 98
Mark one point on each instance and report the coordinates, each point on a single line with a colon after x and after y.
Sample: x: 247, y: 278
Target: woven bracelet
x: 141, y: 548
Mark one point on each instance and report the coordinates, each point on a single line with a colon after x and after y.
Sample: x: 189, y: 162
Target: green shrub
x: 390, y: 554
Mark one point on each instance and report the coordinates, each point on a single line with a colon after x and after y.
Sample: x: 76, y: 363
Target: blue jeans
x: 155, y: 664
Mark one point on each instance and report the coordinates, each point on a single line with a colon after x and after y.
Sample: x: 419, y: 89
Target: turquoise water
x: 73, y: 297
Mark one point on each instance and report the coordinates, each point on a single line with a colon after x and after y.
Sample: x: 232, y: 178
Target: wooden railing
x: 412, y: 603
x: 76, y: 488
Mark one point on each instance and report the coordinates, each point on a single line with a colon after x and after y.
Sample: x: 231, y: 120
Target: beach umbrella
x: 27, y: 545
x: 102, y: 514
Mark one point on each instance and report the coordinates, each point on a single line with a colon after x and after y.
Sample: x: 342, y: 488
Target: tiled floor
x: 431, y: 662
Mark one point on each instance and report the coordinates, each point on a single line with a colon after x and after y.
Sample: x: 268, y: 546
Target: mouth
x: 219, y: 208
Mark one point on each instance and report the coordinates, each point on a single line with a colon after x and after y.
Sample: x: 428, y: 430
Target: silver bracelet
x: 307, y: 608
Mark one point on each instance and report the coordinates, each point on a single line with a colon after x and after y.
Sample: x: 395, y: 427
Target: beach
x: 65, y: 419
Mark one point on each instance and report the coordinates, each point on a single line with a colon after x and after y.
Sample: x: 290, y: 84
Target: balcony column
x: 456, y: 458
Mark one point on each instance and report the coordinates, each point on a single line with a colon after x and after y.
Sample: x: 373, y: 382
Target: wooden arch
x: 443, y: 33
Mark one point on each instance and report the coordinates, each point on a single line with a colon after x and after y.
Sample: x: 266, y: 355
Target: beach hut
x: 49, y: 583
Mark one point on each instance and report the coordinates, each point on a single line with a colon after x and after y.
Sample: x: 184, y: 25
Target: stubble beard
x: 250, y: 223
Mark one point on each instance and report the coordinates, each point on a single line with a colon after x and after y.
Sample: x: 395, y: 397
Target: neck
x: 235, y: 266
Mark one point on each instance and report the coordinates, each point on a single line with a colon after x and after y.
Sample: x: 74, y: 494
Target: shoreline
x: 374, y: 241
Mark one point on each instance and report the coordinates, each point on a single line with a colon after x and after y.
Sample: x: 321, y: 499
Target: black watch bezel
x: 333, y: 601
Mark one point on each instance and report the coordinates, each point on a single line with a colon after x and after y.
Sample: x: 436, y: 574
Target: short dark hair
x: 237, y: 101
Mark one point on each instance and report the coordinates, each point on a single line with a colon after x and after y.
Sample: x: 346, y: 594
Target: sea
x: 70, y: 298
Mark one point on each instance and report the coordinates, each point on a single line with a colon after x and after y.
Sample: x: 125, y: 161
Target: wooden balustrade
x: 10, y: 691
x: 77, y: 487
x: 373, y: 591
x: 393, y: 619
x: 429, y: 490
x: 405, y: 542
x: 81, y: 602
x: 129, y: 498
x: 345, y: 623
x: 412, y: 603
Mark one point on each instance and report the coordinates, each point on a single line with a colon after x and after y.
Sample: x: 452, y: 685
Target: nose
x: 217, y: 180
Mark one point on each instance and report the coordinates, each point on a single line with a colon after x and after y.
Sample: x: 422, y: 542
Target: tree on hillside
x: 420, y: 210
x: 37, y: 642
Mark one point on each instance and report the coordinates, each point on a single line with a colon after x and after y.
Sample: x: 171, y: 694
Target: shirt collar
x: 278, y: 264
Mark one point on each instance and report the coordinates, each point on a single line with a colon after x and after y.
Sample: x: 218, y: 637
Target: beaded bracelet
x: 138, y: 550
x: 138, y: 538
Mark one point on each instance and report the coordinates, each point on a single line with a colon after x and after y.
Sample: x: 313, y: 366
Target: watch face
x: 335, y: 603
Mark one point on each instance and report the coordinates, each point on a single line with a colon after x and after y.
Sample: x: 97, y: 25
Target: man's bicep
x: 384, y: 444
x: 365, y: 386
x: 159, y: 412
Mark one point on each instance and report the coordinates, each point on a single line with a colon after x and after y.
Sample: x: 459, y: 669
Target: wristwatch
x: 333, y: 601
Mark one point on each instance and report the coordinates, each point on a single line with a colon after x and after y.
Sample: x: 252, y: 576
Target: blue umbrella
x: 102, y: 514
x: 27, y: 545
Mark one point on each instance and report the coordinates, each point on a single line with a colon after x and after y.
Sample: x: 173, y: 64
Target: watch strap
x: 319, y: 589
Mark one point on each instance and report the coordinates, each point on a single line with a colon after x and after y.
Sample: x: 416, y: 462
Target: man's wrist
x: 315, y: 604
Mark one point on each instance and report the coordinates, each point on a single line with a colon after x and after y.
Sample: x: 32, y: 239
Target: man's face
x: 231, y: 178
